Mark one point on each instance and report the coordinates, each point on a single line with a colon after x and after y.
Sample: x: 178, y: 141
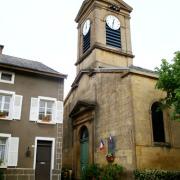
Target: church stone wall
x: 149, y: 155
x: 113, y: 116
x: 85, y: 91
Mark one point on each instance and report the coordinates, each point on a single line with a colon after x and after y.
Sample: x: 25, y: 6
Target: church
x: 114, y: 105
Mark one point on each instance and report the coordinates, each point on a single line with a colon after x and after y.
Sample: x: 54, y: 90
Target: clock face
x: 86, y: 27
x: 113, y: 22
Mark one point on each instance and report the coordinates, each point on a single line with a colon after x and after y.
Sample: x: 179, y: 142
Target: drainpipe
x: 1, y: 49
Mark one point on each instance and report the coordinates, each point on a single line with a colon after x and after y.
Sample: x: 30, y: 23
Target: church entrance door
x: 84, y: 148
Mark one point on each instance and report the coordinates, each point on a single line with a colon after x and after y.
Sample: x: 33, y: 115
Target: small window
x: 5, y: 101
x: 157, y: 123
x: 6, y: 77
x: 84, y: 133
x: 45, y: 110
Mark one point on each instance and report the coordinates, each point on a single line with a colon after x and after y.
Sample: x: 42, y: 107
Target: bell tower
x: 104, y: 38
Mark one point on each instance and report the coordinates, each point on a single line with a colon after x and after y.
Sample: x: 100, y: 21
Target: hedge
x: 1, y: 175
x: 106, y: 172
x: 156, y: 175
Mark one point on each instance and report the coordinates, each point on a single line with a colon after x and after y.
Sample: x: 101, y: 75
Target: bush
x: 1, y: 172
x: 1, y: 175
x: 91, y: 172
x: 107, y: 172
x: 156, y: 175
x: 111, y: 172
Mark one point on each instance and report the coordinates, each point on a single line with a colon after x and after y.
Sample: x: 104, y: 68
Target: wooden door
x: 84, y: 149
x: 43, y: 160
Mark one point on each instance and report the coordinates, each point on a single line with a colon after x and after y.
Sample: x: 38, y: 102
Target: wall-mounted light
x: 28, y: 152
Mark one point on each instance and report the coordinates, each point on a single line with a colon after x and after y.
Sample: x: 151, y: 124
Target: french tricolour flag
x: 101, y: 146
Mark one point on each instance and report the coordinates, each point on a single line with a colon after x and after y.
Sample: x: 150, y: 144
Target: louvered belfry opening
x: 113, y: 37
x: 86, y: 41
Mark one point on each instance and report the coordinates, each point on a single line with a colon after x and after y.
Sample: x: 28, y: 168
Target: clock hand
x: 113, y: 23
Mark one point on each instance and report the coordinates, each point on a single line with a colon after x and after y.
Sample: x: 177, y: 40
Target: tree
x: 169, y: 81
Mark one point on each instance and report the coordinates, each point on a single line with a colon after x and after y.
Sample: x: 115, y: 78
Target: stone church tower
x: 112, y: 99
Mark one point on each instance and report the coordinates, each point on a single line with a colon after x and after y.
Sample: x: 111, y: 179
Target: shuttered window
x: 86, y: 41
x: 113, y: 37
x: 8, y: 150
x: 10, y: 105
x: 46, y: 110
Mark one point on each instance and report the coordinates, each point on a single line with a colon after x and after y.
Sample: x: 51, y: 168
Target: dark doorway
x: 43, y: 160
x: 84, y: 150
x: 157, y: 123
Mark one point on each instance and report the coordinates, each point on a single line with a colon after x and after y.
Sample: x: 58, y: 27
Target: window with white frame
x: 5, y: 101
x: 3, y: 149
x: 46, y: 110
x: 10, y: 105
x: 7, y: 77
x: 8, y: 150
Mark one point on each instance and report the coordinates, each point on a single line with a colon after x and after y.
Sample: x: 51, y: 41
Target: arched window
x: 157, y: 123
x: 84, y: 133
x: 84, y: 148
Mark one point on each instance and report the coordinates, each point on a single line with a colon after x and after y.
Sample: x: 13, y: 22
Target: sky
x: 45, y: 31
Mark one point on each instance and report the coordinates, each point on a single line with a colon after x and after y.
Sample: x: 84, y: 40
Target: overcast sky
x: 45, y: 31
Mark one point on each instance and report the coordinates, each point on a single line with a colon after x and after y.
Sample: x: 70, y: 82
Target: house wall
x: 31, y: 85
x: 149, y: 155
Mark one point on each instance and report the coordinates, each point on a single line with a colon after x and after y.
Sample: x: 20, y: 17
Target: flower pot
x: 2, y: 115
x: 110, y: 159
x: 46, y: 119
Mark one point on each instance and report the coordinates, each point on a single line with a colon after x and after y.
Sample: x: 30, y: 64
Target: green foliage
x: 156, y: 175
x: 65, y: 174
x: 169, y: 81
x: 107, y: 172
x: 1, y: 172
x: 111, y: 172
x: 91, y: 172
x: 1, y: 175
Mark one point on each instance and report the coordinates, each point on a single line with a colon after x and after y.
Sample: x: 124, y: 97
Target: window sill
x: 3, y: 167
x: 7, y: 82
x: 162, y: 144
x: 44, y: 122
x: 5, y: 119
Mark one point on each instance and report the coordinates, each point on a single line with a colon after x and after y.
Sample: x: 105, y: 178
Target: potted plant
x: 1, y: 172
x: 110, y: 157
x: 46, y: 118
x: 2, y: 114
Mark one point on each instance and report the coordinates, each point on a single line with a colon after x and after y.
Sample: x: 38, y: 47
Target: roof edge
x: 57, y: 75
